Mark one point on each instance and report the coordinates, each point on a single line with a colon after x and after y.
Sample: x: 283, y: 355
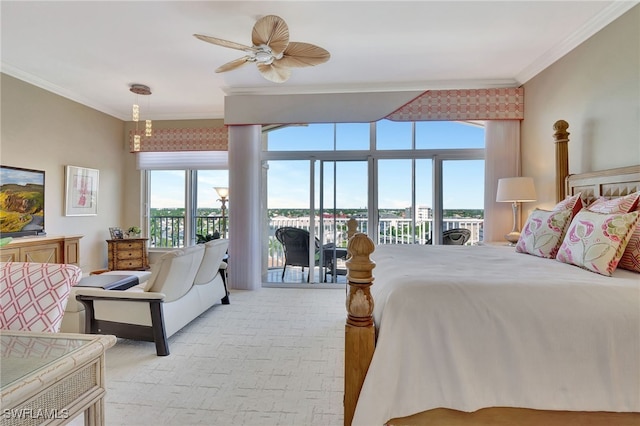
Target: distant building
x: 423, y: 213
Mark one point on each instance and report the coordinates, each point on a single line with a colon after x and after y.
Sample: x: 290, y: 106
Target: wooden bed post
x: 561, y: 137
x: 359, y: 330
x: 352, y: 227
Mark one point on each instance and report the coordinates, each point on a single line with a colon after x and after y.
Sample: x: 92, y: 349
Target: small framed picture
x: 81, y: 191
x: 116, y: 233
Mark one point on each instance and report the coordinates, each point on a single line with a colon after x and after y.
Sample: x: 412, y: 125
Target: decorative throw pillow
x: 596, y: 241
x: 615, y: 205
x: 543, y: 232
x: 631, y: 257
x: 573, y: 202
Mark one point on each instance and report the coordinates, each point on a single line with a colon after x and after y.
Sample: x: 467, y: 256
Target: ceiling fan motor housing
x: 264, y: 55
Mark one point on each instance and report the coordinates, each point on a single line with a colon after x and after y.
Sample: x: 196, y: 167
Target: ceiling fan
x: 272, y: 51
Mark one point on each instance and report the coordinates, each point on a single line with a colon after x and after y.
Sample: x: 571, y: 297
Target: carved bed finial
x: 561, y: 134
x: 561, y: 137
x: 359, y: 278
x: 352, y: 226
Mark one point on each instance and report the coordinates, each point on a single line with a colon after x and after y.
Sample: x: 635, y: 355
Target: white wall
x: 44, y: 131
x: 596, y: 89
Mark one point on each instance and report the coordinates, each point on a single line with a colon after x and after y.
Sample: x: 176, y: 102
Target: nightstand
x: 128, y: 254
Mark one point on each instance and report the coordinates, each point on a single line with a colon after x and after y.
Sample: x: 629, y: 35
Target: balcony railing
x: 390, y: 231
x: 168, y: 231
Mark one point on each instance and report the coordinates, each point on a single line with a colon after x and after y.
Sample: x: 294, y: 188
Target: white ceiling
x: 92, y: 51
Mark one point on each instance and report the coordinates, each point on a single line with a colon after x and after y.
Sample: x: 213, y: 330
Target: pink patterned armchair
x: 33, y: 296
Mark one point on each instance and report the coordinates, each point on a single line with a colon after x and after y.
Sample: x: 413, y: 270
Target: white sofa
x: 73, y: 320
x: 183, y: 284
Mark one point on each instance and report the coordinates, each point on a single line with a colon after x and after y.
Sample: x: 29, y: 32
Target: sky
x: 288, y: 180
x: 20, y: 176
x: 463, y: 181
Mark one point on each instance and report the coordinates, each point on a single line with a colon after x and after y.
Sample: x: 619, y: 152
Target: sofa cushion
x: 213, y: 255
x: 174, y: 272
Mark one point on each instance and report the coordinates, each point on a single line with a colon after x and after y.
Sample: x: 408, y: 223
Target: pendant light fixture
x: 140, y: 89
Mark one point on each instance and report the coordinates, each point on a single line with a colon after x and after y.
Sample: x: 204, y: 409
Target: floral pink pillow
x: 543, y: 232
x: 615, y: 205
x: 573, y: 202
x: 596, y: 241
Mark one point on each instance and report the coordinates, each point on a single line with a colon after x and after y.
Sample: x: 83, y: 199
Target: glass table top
x: 22, y: 355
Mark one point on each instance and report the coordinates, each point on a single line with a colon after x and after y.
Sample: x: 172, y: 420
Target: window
x: 391, y: 135
x: 415, y: 176
x: 180, y: 196
x: 449, y: 134
x: 167, y: 207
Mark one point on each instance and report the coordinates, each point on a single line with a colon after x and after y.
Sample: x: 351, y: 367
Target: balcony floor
x: 296, y: 279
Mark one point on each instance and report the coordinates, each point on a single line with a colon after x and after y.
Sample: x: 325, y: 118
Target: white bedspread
x: 467, y: 327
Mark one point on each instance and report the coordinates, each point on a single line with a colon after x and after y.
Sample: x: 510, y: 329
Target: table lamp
x: 515, y: 190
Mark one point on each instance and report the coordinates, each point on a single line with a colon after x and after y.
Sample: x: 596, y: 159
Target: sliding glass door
x: 404, y: 183
x: 342, y: 195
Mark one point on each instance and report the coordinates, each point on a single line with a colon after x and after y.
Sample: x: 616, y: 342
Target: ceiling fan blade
x: 237, y: 63
x: 272, y: 31
x: 224, y: 43
x: 274, y: 72
x: 303, y: 55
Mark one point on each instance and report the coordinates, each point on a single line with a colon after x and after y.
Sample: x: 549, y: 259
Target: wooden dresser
x: 128, y: 254
x: 60, y: 249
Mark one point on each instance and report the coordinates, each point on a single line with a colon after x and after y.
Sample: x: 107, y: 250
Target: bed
x: 508, y: 339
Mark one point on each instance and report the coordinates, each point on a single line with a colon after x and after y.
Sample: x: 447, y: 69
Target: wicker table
x: 52, y: 377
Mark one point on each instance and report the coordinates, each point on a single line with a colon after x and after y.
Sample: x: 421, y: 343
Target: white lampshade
x: 222, y: 191
x: 519, y: 189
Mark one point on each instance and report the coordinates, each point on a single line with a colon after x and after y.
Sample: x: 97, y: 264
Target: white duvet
x: 467, y: 327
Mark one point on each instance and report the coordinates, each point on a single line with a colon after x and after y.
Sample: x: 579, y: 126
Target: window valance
x: 184, y: 139
x: 464, y: 104
x: 447, y: 105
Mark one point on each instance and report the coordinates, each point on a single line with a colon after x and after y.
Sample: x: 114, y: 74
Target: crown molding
x: 72, y: 96
x: 55, y: 89
x: 371, y: 88
x: 609, y: 14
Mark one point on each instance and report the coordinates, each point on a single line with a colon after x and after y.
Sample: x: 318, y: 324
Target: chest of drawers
x: 128, y: 254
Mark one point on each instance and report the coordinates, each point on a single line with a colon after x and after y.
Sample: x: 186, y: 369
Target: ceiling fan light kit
x: 272, y: 52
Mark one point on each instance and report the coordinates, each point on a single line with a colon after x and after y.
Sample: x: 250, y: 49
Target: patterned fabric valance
x: 468, y: 104
x: 165, y: 140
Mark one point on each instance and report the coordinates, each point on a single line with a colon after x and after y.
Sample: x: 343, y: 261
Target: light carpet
x: 274, y: 356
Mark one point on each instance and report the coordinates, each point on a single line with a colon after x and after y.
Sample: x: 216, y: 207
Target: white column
x: 244, y: 207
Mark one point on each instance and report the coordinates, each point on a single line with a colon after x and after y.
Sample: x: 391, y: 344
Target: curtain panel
x: 502, y: 159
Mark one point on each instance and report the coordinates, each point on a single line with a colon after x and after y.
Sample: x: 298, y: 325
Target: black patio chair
x: 295, y: 242
x: 454, y: 237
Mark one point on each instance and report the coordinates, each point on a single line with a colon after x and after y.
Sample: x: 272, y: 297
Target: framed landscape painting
x: 81, y: 198
x: 21, y: 201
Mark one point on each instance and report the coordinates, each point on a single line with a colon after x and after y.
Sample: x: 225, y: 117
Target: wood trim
x: 503, y: 416
x: 609, y: 183
x: 561, y: 137
x: 360, y: 329
x: 154, y: 333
